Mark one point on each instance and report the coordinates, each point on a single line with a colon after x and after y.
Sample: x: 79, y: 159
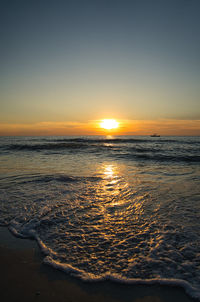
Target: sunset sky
x: 66, y: 65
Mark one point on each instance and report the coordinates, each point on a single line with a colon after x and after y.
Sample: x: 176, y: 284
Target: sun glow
x: 109, y: 124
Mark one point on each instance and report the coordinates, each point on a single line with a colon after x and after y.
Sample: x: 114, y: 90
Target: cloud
x: 163, y: 127
x: 127, y: 127
x: 42, y: 128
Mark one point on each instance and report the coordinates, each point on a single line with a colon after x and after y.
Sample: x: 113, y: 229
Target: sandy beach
x: 25, y: 278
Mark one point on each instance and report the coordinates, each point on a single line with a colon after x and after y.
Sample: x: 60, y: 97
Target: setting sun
x: 109, y: 124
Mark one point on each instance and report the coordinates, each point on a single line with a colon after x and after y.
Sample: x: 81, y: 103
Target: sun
x: 109, y: 124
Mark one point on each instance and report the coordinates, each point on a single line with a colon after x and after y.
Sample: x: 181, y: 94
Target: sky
x: 65, y: 65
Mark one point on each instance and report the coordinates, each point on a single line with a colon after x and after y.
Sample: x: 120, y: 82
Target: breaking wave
x: 138, y: 149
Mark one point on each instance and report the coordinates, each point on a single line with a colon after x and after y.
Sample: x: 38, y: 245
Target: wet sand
x: 25, y: 278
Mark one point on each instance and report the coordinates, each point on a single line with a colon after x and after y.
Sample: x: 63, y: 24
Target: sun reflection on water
x: 109, y: 171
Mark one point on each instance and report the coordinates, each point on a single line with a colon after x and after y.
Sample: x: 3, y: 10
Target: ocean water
x: 122, y: 208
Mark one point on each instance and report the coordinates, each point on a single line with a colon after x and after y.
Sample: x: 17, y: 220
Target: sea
x: 121, y: 208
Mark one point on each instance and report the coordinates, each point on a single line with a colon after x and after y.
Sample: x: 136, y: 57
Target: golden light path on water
x: 120, y: 206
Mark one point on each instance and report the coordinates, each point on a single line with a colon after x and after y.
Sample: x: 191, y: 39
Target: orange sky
x: 126, y: 127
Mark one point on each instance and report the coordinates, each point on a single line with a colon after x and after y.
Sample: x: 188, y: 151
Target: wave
x: 104, y: 140
x: 139, y: 149
x: 28, y: 231
x: 63, y: 144
x: 129, y: 140
x: 80, y: 143
x: 49, y: 146
x: 66, y: 268
x: 138, y: 154
x: 8, y: 181
x: 161, y: 157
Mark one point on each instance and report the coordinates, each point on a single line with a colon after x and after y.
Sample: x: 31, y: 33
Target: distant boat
x: 155, y: 135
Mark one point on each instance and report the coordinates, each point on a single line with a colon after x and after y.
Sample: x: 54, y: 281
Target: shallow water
x: 125, y: 208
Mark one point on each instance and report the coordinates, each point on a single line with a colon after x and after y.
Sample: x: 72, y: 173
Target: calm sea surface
x: 124, y: 208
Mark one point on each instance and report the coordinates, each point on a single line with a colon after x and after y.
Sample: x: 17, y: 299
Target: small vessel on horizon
x: 155, y: 135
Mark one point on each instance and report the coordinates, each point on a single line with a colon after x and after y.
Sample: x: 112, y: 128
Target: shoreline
x: 24, y: 277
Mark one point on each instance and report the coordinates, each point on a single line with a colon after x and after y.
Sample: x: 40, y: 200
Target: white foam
x: 26, y: 230
x: 46, y: 250
x: 88, y: 277
x: 63, y: 267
